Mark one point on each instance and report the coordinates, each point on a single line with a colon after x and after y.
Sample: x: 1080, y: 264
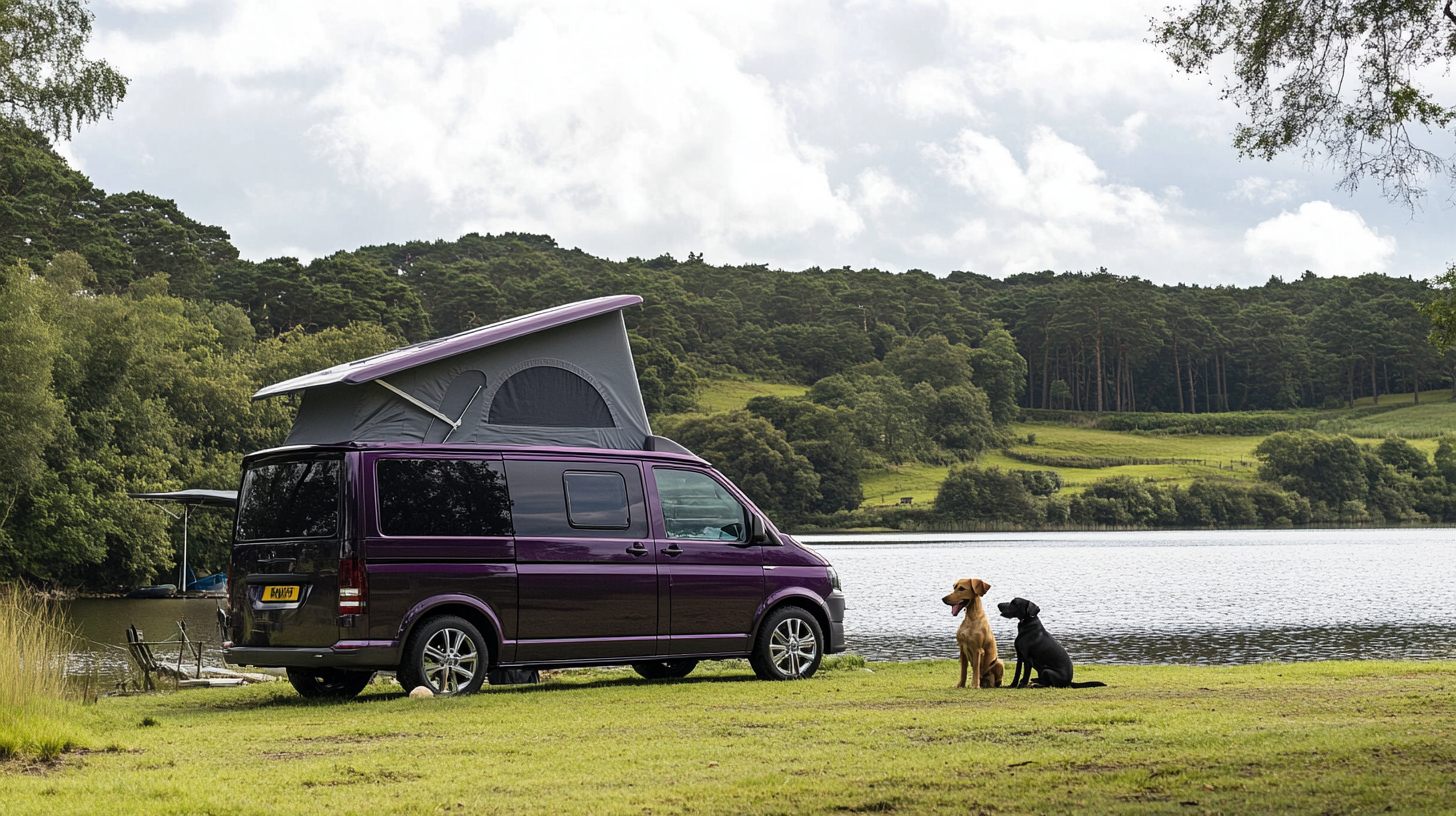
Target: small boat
x: 158, y: 591
x: 209, y: 583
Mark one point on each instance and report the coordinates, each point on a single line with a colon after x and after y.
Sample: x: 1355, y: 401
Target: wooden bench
x: 141, y: 654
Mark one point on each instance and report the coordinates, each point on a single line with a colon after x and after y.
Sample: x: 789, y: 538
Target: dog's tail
x: 1091, y: 684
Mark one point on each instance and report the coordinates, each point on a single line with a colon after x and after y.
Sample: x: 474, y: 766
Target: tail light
x: 353, y: 586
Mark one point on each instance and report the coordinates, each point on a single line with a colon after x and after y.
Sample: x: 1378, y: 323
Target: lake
x: 1191, y: 597
x: 1207, y: 597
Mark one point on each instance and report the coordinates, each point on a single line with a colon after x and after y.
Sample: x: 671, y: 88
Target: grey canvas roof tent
x: 560, y: 376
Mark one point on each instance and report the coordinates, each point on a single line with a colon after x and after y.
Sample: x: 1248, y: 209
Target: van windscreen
x: 297, y: 499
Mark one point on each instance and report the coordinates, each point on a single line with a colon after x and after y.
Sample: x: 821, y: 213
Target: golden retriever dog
x: 978, y: 644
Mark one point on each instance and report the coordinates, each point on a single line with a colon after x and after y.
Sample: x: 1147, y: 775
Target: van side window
x: 442, y: 497
x: 552, y: 498
x: 596, y: 500
x: 695, y: 506
x: 297, y: 499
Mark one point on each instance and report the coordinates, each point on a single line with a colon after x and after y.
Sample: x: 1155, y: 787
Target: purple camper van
x: 478, y: 512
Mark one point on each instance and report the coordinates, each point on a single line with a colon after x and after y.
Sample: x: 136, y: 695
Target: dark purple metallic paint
x: 565, y: 600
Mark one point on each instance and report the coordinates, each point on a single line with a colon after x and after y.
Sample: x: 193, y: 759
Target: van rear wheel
x: 446, y: 655
x: 323, y: 683
x: 665, y: 669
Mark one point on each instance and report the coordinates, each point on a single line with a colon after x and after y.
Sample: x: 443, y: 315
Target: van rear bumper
x: 349, y: 654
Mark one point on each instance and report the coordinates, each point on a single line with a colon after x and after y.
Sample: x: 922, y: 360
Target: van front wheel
x: 322, y: 683
x: 446, y: 655
x: 790, y: 645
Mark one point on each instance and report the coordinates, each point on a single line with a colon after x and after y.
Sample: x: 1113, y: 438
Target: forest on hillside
x: 134, y: 336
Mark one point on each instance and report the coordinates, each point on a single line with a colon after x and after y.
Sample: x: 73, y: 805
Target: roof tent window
x: 442, y: 497
x: 547, y: 396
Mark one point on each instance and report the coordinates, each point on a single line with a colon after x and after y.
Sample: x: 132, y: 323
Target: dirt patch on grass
x: 32, y: 766
x: 353, y: 776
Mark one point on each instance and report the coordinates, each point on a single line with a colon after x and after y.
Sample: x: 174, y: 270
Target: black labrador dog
x: 1037, y: 649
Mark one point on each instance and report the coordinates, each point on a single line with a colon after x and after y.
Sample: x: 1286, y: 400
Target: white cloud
x: 878, y: 190
x: 766, y: 131
x: 1320, y: 237
x: 930, y: 92
x: 1264, y: 191
x: 580, y: 121
x: 1056, y: 209
x: 1129, y: 135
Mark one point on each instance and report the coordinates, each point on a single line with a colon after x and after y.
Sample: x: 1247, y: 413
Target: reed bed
x: 35, y: 639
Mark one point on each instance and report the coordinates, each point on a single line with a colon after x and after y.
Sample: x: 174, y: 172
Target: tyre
x: 447, y: 655
x: 665, y: 669
x: 323, y: 683
x: 790, y: 645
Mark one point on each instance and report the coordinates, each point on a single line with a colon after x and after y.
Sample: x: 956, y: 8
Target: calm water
x: 1157, y: 597
x: 102, y: 623
x: 1218, y: 597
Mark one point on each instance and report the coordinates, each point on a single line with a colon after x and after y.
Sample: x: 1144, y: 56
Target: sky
x: 989, y: 137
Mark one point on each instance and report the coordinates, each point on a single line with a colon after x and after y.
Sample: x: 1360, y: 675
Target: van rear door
x: 283, y: 579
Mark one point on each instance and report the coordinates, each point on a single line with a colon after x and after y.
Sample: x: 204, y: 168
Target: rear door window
x: 442, y: 498
x: 298, y: 499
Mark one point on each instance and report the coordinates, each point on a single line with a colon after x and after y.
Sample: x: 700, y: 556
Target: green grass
x: 1433, y: 417
x: 718, y: 396
x: 918, y: 481
x: 1226, y: 457
x: 34, y: 711
x: 1223, y: 457
x: 1300, y: 738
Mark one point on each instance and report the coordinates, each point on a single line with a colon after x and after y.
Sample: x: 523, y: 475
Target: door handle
x: 673, y: 551
x: 637, y: 549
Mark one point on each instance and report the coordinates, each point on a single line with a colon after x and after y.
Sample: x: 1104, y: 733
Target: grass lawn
x: 1226, y: 457
x: 1302, y: 738
x: 1433, y: 417
x: 918, y: 481
x: 718, y: 396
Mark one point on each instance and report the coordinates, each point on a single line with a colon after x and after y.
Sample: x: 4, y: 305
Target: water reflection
x: 102, y: 624
x: 1207, y: 597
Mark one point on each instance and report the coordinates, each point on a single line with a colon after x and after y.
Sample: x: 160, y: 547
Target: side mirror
x: 758, y: 533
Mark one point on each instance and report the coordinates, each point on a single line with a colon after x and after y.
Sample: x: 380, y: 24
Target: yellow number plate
x: 280, y: 594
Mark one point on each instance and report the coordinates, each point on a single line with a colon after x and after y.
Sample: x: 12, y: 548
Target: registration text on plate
x: 277, y: 594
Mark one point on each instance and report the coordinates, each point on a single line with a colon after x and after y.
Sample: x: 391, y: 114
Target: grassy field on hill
x: 718, y: 396
x: 1217, y: 456
x: 1308, y: 738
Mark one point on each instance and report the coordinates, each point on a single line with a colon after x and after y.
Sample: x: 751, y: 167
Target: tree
x: 1001, y: 372
x: 46, y: 82
x: 1442, y: 310
x: 1292, y: 78
x: 973, y: 494
x: 1328, y: 469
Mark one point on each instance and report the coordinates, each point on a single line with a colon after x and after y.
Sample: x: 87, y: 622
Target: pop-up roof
x: 561, y: 376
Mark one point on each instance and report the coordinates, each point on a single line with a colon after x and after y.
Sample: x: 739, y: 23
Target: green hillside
x: 1082, y: 455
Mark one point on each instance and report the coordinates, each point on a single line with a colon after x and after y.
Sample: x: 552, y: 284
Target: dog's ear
x: 980, y: 587
x: 1032, y: 610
